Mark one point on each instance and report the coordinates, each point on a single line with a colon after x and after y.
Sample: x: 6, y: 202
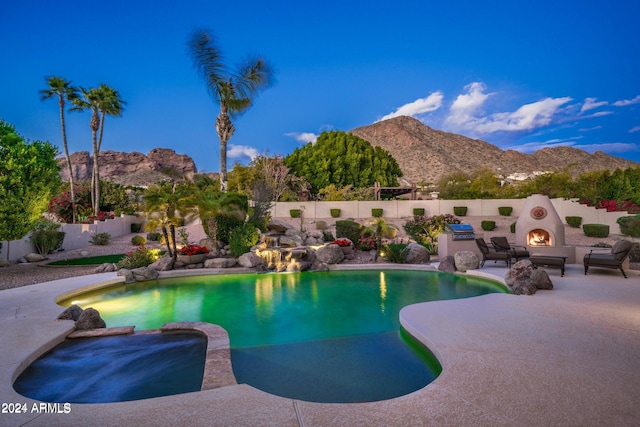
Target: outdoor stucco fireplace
x: 539, y: 225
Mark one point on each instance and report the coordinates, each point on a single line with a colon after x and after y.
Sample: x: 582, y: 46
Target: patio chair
x: 489, y: 253
x: 501, y: 244
x: 612, y: 259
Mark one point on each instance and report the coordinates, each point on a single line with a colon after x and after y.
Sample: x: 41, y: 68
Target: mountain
x: 130, y: 168
x: 427, y: 154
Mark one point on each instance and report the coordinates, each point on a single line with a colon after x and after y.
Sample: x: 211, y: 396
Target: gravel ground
x: 16, y: 275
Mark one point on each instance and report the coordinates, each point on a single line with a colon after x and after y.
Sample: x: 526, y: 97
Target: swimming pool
x: 323, y: 336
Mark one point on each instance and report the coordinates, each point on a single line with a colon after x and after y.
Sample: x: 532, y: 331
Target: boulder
x: 523, y: 287
x: 279, y: 226
x: 209, y: 244
x: 540, y: 279
x: 290, y: 241
x: 72, y: 312
x: 164, y: 263
x: 329, y: 254
x: 466, y: 260
x: 519, y: 271
x: 417, y: 254
x: 319, y: 266
x: 33, y: 257
x: 447, y: 264
x: 90, y: 319
x: 143, y: 274
x: 107, y: 267
x: 249, y: 260
x: 220, y: 263
x: 312, y: 241
x: 127, y: 274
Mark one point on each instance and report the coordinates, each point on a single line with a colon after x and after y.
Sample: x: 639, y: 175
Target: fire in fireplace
x: 539, y: 237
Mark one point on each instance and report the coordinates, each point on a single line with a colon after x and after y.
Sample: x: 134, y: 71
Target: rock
x: 249, y: 260
x: 447, y: 264
x: 261, y: 269
x: 72, y: 312
x: 311, y: 241
x: 290, y: 241
x: 319, y: 266
x: 523, y: 287
x: 279, y: 226
x: 84, y: 253
x: 466, y: 260
x: 107, y: 267
x: 417, y: 254
x: 330, y: 254
x: 540, y: 279
x: 164, y: 263
x: 220, y: 263
x: 90, y: 319
x: 519, y: 271
x: 143, y: 274
x: 127, y: 274
x: 33, y: 257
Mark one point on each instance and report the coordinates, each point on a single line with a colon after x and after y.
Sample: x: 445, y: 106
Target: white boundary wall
x: 360, y: 210
x: 76, y: 236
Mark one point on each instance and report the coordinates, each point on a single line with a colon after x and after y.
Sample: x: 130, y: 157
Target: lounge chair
x: 613, y: 258
x: 489, y: 253
x: 501, y: 244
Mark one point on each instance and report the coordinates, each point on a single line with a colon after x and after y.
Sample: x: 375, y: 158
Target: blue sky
x: 522, y: 75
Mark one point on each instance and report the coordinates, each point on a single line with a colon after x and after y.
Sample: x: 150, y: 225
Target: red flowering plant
x: 101, y: 216
x: 366, y: 244
x: 343, y: 242
x: 193, y: 250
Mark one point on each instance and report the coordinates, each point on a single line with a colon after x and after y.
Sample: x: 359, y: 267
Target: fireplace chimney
x: 539, y: 224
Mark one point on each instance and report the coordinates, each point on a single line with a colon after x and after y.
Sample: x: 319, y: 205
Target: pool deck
x: 569, y: 357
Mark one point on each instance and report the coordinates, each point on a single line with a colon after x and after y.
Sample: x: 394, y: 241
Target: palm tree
x: 163, y: 204
x: 101, y: 101
x: 233, y: 89
x: 61, y: 87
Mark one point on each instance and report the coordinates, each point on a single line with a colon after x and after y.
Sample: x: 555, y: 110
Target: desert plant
x: 395, y: 252
x: 595, y: 230
x: 136, y: 227
x: 376, y: 212
x: 46, y: 238
x: 512, y: 227
x: 327, y: 236
x: 418, y: 211
x: 424, y: 230
x: 335, y: 213
x: 295, y: 213
x: 153, y: 236
x: 321, y: 225
x: 138, y: 240
x: 574, y: 221
x: 488, y: 225
x: 243, y: 238
x: 349, y: 229
x: 629, y: 225
x: 459, y: 210
x: 505, y: 210
x: 365, y: 243
x: 100, y: 239
x: 140, y: 257
x: 184, y: 236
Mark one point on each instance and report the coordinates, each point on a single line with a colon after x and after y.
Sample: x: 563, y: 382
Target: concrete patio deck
x: 569, y: 357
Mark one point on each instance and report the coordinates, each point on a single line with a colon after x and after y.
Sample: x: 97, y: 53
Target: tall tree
x: 62, y: 88
x: 234, y: 89
x: 102, y: 101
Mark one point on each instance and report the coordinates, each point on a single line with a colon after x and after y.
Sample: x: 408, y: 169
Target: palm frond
x: 252, y: 76
x: 208, y: 60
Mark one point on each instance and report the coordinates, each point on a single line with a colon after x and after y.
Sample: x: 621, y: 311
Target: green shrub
x: 46, y: 238
x: 629, y: 225
x: 225, y: 225
x: 295, y: 213
x: 596, y: 230
x: 141, y: 257
x: 154, y: 237
x: 573, y: 221
x: 376, y: 212
x: 138, y: 240
x: 328, y: 236
x: 418, y: 211
x: 459, y: 210
x: 396, y: 253
x: 505, y: 210
x: 488, y: 225
x: 321, y: 225
x: 136, y: 227
x: 512, y: 227
x: 425, y: 230
x: 243, y: 238
x: 100, y: 239
x: 335, y: 213
x: 349, y: 229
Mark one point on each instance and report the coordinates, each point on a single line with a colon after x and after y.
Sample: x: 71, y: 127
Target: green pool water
x: 302, y: 335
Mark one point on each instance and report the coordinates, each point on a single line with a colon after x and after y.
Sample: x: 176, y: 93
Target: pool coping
x: 588, y: 322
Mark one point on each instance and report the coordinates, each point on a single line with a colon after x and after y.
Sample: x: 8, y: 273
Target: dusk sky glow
x: 521, y: 75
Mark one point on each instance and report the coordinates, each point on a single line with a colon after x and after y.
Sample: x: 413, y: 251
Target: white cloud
x: 463, y: 109
x: 625, y: 102
x: 418, y: 107
x: 589, y: 129
x: 303, y: 137
x: 590, y: 104
x: 240, y: 151
x: 634, y: 129
x: 609, y: 147
x: 528, y: 117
